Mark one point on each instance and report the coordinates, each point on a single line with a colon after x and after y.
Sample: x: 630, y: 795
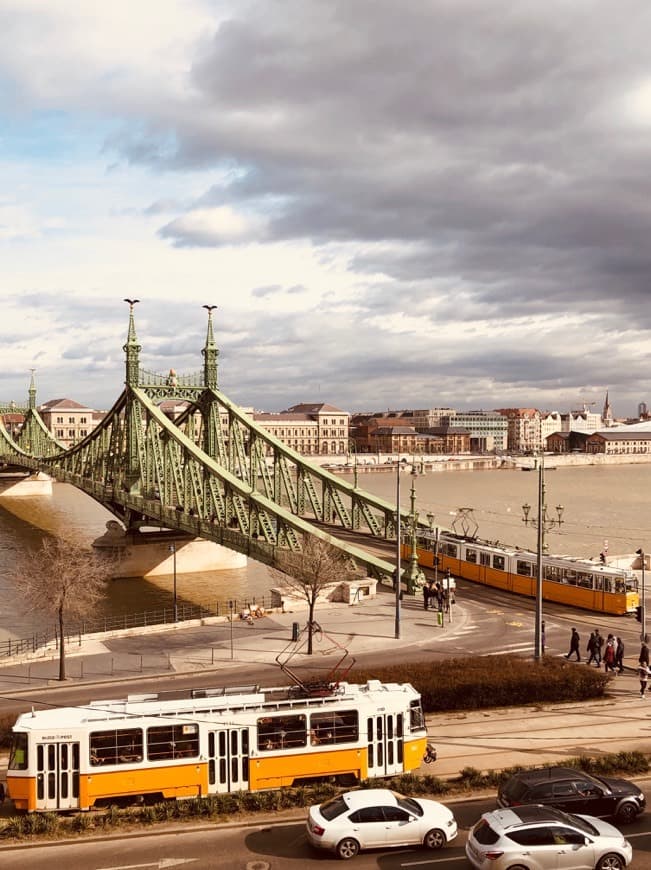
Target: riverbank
x: 386, y: 463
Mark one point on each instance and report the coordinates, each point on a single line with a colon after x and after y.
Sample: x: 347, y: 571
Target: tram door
x: 385, y: 744
x: 228, y: 759
x: 57, y: 776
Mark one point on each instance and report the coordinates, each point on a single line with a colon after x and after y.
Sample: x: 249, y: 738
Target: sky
x: 429, y: 203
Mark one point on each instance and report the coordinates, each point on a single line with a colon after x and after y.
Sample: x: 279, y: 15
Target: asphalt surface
x: 217, y: 650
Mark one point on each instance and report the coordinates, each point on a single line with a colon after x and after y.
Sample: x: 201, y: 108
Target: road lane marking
x: 161, y: 865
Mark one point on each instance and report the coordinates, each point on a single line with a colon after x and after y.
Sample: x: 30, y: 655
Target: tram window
x: 334, y: 727
x: 119, y: 746
x: 18, y: 752
x: 524, y: 569
x: 484, y: 558
x: 282, y: 732
x: 498, y: 562
x: 449, y: 550
x: 172, y: 741
x: 471, y: 556
x: 586, y: 581
x: 416, y: 718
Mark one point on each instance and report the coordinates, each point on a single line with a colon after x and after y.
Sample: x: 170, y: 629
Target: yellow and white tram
x: 566, y: 580
x: 210, y: 741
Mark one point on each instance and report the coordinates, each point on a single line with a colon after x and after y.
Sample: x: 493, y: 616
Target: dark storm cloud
x: 482, y: 157
x: 492, y: 135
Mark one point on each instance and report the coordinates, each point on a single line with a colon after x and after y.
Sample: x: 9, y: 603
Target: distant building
x: 524, y: 429
x: 567, y: 442
x: 397, y: 439
x: 488, y: 430
x: 310, y: 429
x: 430, y: 418
x: 619, y: 442
x: 68, y: 421
x: 550, y: 422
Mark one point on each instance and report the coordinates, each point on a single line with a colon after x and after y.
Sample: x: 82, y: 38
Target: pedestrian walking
x: 643, y: 674
x: 599, y: 642
x: 425, y: 597
x: 542, y: 637
x: 609, y: 654
x: 643, y: 658
x: 575, y: 640
x: 591, y: 649
x: 619, y: 655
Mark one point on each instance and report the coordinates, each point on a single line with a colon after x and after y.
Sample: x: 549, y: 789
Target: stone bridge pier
x: 150, y: 552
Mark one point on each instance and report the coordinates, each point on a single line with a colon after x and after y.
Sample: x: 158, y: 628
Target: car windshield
x: 484, y: 834
x: 333, y: 808
x: 515, y: 789
x: 410, y: 805
x: 583, y: 824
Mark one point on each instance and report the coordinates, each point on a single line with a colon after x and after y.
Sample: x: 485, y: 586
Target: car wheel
x: 611, y: 862
x: 627, y: 813
x: 434, y: 839
x: 347, y: 848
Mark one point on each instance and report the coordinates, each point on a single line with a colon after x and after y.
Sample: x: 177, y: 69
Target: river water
x: 601, y: 503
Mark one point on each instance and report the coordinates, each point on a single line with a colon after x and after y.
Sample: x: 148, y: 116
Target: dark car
x: 574, y: 792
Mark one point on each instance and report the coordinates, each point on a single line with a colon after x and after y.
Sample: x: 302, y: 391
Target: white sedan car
x: 378, y: 818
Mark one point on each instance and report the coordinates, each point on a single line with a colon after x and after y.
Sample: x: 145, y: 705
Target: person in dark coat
x: 575, y: 640
x: 426, y: 596
x: 619, y: 655
x: 643, y: 658
x: 592, y: 649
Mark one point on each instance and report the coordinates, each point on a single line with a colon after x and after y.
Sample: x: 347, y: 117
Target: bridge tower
x: 210, y: 354
x: 132, y: 350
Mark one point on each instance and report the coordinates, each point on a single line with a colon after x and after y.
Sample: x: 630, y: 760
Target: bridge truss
x: 211, y: 472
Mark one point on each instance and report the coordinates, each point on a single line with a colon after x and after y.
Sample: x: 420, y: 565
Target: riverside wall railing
x: 49, y: 638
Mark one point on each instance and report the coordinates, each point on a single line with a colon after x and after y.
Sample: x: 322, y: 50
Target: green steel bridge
x: 212, y: 472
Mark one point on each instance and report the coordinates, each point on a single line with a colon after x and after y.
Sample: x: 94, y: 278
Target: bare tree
x: 308, y: 572
x: 63, y: 580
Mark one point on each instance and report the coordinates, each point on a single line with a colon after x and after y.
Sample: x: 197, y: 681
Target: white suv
x: 534, y: 837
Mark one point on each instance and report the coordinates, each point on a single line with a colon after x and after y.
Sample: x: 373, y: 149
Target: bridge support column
x: 21, y: 486
x: 148, y: 554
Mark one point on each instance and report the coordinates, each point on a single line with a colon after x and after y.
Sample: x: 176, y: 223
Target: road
x: 266, y: 845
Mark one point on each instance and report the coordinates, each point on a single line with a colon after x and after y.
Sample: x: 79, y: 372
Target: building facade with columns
x: 68, y: 421
x: 315, y: 429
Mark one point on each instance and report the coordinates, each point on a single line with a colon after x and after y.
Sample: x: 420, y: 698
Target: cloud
x: 212, y: 227
x: 443, y: 202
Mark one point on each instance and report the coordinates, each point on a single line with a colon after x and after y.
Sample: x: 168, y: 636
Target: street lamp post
x: 398, y: 543
x: 231, y: 610
x: 354, y: 508
x: 641, y: 554
x: 542, y: 523
x: 415, y: 577
x: 172, y: 549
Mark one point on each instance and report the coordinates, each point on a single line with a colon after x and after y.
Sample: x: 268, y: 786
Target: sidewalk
x: 216, y: 648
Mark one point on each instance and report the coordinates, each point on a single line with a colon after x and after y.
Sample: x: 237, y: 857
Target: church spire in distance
x: 607, y: 413
x: 210, y: 354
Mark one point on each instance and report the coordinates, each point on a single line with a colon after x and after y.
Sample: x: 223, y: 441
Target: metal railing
x: 186, y: 612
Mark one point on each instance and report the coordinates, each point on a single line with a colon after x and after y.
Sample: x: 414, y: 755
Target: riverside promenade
x: 216, y: 651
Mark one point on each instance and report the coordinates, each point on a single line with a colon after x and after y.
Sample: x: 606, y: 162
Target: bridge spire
x: 132, y: 348
x: 32, y: 390
x: 210, y: 354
